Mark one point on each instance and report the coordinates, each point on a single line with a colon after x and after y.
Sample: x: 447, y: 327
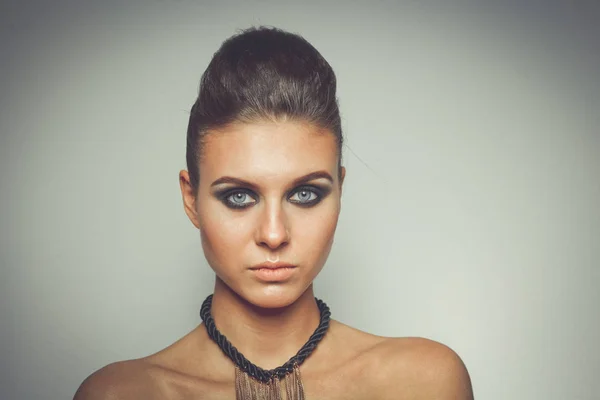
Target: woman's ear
x: 342, y: 176
x: 189, y: 197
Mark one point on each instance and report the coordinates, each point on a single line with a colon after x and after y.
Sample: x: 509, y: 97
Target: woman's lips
x: 276, y: 272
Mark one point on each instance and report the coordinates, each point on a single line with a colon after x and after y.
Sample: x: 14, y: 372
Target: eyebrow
x: 303, y: 179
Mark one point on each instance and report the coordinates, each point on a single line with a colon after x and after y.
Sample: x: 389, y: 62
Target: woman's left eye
x: 304, y: 196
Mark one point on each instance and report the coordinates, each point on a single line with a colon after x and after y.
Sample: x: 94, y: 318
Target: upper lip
x: 274, y: 265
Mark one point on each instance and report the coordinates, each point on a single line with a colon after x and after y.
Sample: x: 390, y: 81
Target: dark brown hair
x: 263, y: 73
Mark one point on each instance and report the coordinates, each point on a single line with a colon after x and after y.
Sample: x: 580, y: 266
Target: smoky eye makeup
x: 308, y: 195
x: 236, y: 198
x: 303, y: 196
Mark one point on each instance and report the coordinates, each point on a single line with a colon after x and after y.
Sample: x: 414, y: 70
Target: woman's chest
x: 348, y: 382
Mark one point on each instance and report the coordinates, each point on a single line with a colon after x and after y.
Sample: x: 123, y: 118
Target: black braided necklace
x: 254, y: 371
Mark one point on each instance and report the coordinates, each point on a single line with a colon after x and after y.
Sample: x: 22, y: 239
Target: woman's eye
x: 239, y: 199
x: 304, y: 196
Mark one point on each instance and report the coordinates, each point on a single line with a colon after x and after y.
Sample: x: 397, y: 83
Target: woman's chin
x: 273, y: 297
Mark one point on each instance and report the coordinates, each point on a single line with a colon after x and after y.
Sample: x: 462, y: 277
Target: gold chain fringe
x: 248, y: 388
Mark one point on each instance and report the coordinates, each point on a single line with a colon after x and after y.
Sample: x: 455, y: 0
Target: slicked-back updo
x: 262, y: 74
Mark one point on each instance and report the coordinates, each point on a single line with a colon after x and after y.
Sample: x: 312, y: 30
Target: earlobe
x: 189, y: 198
x: 342, y: 176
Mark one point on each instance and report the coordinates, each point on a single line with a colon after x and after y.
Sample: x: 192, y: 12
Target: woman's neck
x: 266, y: 337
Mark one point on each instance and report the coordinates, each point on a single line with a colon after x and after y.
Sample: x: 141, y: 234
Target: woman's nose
x: 273, y: 230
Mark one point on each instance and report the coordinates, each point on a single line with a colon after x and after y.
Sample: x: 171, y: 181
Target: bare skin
x: 266, y: 213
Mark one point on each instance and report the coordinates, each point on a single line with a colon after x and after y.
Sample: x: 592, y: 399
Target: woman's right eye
x: 239, y: 200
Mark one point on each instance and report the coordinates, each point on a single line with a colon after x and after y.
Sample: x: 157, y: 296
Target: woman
x: 263, y: 186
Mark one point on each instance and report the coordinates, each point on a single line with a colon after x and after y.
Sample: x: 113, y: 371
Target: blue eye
x: 239, y: 200
x: 305, y: 196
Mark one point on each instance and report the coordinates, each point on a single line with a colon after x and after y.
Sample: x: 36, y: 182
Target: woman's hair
x: 262, y: 74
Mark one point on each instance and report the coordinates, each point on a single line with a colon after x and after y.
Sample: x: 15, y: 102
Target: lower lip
x: 274, y: 274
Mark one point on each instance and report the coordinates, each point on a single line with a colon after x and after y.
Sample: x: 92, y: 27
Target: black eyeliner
x: 224, y: 194
x: 320, y: 191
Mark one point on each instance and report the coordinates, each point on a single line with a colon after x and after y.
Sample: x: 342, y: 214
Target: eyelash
x: 319, y: 193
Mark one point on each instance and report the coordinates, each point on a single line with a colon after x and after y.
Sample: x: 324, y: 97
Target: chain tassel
x: 248, y: 388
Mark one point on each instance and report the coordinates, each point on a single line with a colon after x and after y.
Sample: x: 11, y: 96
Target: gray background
x: 470, y: 212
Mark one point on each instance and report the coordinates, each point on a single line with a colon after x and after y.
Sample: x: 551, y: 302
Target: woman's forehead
x: 268, y: 150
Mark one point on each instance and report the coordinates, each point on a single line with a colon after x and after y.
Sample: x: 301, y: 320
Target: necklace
x: 255, y: 383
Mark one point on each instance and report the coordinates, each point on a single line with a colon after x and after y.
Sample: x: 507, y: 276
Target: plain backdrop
x: 471, y: 208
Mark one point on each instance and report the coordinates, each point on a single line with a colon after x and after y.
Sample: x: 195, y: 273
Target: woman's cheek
x: 317, y: 237
x: 225, y: 239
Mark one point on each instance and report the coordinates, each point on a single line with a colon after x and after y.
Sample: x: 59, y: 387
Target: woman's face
x: 267, y: 207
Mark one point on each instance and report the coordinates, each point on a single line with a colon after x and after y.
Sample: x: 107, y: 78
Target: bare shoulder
x: 420, y: 368
x: 119, y: 380
x: 410, y: 368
